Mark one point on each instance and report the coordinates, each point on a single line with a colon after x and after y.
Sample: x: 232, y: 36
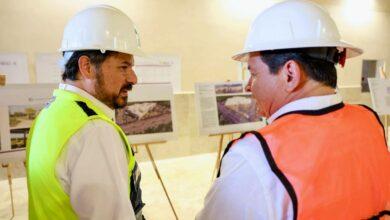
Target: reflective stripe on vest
x: 55, y: 125
x: 333, y: 162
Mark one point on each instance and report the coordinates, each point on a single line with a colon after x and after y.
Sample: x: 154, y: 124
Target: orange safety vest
x: 333, y: 162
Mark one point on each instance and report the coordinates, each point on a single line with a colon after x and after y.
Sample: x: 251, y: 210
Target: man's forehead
x: 253, y: 56
x: 124, y: 57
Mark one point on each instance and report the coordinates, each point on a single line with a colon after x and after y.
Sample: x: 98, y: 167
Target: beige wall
x: 204, y: 33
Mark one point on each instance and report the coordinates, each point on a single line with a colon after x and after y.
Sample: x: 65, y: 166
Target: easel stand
x: 157, y: 172
x: 9, y: 175
x: 220, y: 146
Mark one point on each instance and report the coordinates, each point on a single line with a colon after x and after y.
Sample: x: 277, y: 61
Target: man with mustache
x: 318, y: 158
x: 79, y: 162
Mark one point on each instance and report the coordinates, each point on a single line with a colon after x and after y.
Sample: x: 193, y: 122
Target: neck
x: 74, y: 83
x: 309, y: 89
x: 81, y: 85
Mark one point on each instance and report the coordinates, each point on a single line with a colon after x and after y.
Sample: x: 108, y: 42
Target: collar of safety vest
x: 107, y: 111
x: 69, y: 95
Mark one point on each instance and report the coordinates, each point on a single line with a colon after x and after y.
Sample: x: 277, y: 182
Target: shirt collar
x: 309, y: 103
x: 106, y: 110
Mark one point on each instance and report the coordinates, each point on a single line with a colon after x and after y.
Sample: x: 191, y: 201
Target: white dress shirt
x: 247, y: 188
x: 93, y: 168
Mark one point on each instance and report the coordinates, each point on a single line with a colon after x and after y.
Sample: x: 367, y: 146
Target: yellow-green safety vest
x: 62, y: 117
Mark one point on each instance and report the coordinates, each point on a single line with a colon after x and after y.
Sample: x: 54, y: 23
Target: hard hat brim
x: 352, y: 51
x: 134, y: 52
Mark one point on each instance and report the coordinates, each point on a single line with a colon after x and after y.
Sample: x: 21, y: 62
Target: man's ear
x: 85, y: 67
x: 293, y: 75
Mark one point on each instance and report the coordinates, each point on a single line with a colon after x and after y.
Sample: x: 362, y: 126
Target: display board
x: 19, y: 105
x: 47, y: 66
x: 14, y: 67
x: 380, y: 95
x: 225, y: 108
x: 149, y: 115
x: 159, y: 69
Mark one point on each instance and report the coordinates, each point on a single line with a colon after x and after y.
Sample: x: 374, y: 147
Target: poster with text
x: 225, y: 108
x: 159, y: 69
x: 15, y: 68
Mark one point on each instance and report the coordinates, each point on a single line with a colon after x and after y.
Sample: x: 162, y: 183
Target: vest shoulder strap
x: 377, y: 118
x: 88, y: 111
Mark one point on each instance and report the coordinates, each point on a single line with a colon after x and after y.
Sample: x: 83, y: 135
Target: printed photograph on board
x: 21, y: 118
x: 229, y: 88
x: 147, y: 117
x: 237, y: 109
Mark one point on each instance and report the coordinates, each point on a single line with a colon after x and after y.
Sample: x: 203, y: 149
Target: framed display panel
x: 149, y: 115
x: 19, y: 106
x: 380, y: 95
x: 225, y: 108
x: 14, y: 67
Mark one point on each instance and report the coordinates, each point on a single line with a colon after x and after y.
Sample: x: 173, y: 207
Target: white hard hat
x: 294, y: 24
x: 101, y: 28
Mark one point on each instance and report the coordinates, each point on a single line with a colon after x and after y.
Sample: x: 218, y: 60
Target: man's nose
x: 132, y: 77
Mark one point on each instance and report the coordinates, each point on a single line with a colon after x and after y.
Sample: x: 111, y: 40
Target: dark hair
x: 318, y: 63
x: 96, y: 57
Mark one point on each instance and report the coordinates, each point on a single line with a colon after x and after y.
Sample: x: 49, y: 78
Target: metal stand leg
x: 218, y: 160
x: 9, y: 175
x: 159, y: 177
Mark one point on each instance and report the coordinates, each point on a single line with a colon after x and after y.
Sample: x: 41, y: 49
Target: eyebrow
x: 127, y: 63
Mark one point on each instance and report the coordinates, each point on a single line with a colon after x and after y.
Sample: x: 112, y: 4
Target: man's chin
x: 120, y: 103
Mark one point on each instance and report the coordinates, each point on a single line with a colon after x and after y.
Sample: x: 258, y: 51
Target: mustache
x: 128, y: 87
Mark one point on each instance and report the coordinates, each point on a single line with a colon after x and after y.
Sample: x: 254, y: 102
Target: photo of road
x: 229, y: 88
x: 21, y: 118
x: 19, y: 140
x: 237, y: 109
x: 145, y: 117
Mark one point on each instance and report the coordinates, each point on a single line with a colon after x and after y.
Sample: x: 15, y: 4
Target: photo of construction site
x: 229, y: 88
x: 21, y: 118
x: 237, y: 109
x: 145, y: 117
